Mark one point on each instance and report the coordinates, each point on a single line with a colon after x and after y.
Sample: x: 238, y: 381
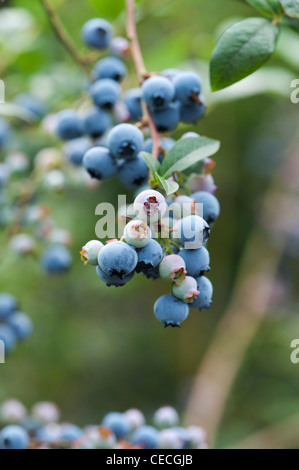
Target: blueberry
x: 158, y: 92
x: 118, y: 259
x: 31, y: 103
x: 192, y: 113
x: 146, y: 437
x: 75, y: 150
x: 204, y: 299
x: 4, y: 131
x: 105, y: 93
x: 186, y: 84
x: 137, y: 233
x: 8, y: 305
x: 171, y: 73
x: 191, y: 135
x: 56, y: 259
x: 152, y: 273
x: 167, y: 119
x: 70, y: 433
x: 97, y: 33
x: 14, y: 437
x: 90, y: 252
x: 110, y: 67
x: 96, y: 122
x: 125, y: 141
x: 169, y: 439
x: 149, y: 258
x: 133, y: 173
x: 150, y: 206
x: 118, y: 423
x: 197, y: 261
x: 173, y: 269
x: 99, y: 163
x: 120, y: 47
x: 115, y: 280
x: 69, y: 125
x: 211, y: 206
x: 183, y: 435
x: 171, y: 311
x: 8, y: 336
x: 166, y: 417
x: 193, y: 231
x: 132, y: 99
x: 187, y: 290
x: 21, y: 325
x: 167, y: 143
x: 135, y: 417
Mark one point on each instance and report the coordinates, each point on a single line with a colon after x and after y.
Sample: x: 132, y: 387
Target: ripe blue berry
x: 187, y: 290
x: 97, y: 33
x: 171, y: 311
x: 69, y: 125
x: 211, y: 206
x: 105, y: 93
x: 115, y: 280
x: 4, y: 131
x: 118, y: 259
x: 14, y: 438
x: 75, y: 150
x: 193, y: 231
x: 110, y: 67
x: 96, y: 122
x: 99, y: 163
x: 173, y: 269
x: 186, y: 84
x: 197, y: 261
x: 21, y: 325
x: 133, y: 173
x: 70, y: 433
x: 132, y: 99
x: 137, y: 233
x: 204, y: 299
x: 149, y: 258
x: 150, y: 206
x: 158, y: 92
x: 167, y: 119
x: 118, y: 423
x: 171, y: 73
x: 31, y: 103
x: 56, y: 259
x: 167, y: 143
x: 193, y: 112
x: 8, y: 305
x: 90, y: 252
x: 146, y: 437
x: 8, y: 336
x: 125, y: 141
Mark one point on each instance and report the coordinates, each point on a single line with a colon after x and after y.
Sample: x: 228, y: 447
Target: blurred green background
x: 97, y: 349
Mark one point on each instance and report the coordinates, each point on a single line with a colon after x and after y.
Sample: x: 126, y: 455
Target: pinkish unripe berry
x: 90, y: 252
x: 137, y: 233
x: 187, y: 290
x: 150, y: 205
x: 173, y: 269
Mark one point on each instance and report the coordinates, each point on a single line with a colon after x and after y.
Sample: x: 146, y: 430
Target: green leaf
x: 152, y: 163
x: 187, y: 152
x: 291, y: 8
x: 267, y: 7
x: 169, y: 187
x: 292, y: 23
x: 241, y: 50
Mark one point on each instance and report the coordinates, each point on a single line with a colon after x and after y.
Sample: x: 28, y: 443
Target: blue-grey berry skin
x: 186, y: 84
x: 193, y: 112
x: 125, y: 141
x: 99, y: 163
x: 21, y: 325
x: 8, y: 336
x: 56, y: 259
x: 69, y: 125
x: 211, y: 206
x: 133, y: 173
x: 31, y: 103
x: 114, y: 280
x: 96, y: 122
x: 70, y: 433
x: 105, y: 93
x: 118, y: 259
x: 193, y: 232
x: 158, y: 92
x: 149, y: 258
x: 132, y: 100
x: 117, y: 423
x: 110, y: 67
x: 197, y: 261
x: 97, y: 33
x: 171, y: 311
x: 4, y: 131
x: 167, y: 143
x: 14, y: 437
x: 75, y: 150
x: 8, y: 305
x: 146, y: 437
x: 171, y: 73
x: 167, y: 119
x: 204, y: 299
x: 183, y: 435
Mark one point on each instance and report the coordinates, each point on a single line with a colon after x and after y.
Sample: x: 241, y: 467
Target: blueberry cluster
x: 165, y: 239
x: 15, y: 326
x: 42, y: 429
x: 103, y: 137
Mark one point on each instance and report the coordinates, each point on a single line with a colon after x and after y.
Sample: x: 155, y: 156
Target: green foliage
x: 291, y: 8
x: 267, y: 7
x: 152, y: 163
